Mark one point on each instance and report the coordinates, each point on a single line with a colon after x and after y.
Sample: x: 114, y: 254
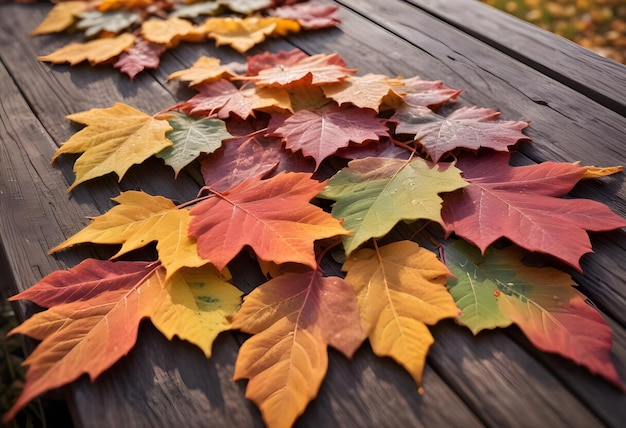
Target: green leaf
x: 373, y: 194
x: 476, y: 287
x: 246, y: 7
x: 195, y: 9
x: 192, y: 136
x: 116, y: 21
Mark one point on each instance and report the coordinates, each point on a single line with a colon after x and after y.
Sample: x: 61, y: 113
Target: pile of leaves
x: 304, y: 159
x: 133, y: 34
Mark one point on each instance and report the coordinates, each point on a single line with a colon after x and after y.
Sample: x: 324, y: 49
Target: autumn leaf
x: 312, y: 70
x: 224, y: 98
x: 262, y: 61
x: 114, y: 139
x: 432, y: 94
x: 272, y: 216
x: 105, y: 5
x: 237, y: 161
x: 246, y: 7
x: 293, y: 318
x: 60, y: 17
x: 205, y: 69
x: 194, y: 10
x: 96, y: 308
x: 95, y: 51
x: 400, y: 289
x: 138, y: 220
x: 363, y: 91
x: 373, y: 194
x: 94, y: 22
x: 496, y: 290
x: 467, y: 127
x: 192, y: 136
x: 522, y: 204
x: 141, y: 55
x: 171, y: 31
x: 597, y: 172
x: 319, y: 133
x: 309, y: 14
x: 243, y: 33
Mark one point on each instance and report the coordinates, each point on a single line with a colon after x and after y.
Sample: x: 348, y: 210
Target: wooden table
x: 575, y: 100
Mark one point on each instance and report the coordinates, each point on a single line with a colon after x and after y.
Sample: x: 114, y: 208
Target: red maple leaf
x: 426, y: 93
x: 142, y: 55
x: 265, y: 60
x: 310, y: 15
x: 322, y: 132
x: 467, y: 127
x: 522, y: 204
x: 312, y: 70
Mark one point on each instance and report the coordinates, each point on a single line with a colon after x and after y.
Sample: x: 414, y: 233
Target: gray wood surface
x: 494, y: 379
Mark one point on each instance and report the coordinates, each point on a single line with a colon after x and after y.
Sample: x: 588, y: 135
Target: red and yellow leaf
x: 293, y: 318
x: 95, y: 311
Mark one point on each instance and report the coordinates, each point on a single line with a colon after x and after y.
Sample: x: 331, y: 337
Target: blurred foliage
x: 598, y: 25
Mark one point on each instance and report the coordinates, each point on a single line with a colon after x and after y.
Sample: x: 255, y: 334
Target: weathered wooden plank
x: 601, y: 79
x: 75, y: 90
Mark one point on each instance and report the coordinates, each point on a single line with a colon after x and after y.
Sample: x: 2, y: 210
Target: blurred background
x: 598, y: 25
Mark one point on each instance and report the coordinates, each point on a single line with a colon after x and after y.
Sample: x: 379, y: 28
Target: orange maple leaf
x: 203, y: 70
x: 171, y: 31
x: 95, y: 51
x: 293, y: 317
x: 272, y: 216
x: 400, y: 288
x: 243, y: 33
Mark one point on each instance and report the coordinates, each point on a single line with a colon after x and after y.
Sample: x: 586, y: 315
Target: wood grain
x: 495, y: 379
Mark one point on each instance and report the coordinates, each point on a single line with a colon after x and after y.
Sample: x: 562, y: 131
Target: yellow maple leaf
x: 171, y: 31
x: 61, y: 16
x: 138, y: 220
x: 367, y: 91
x: 114, y: 139
x: 95, y: 51
x: 400, y: 288
x: 203, y: 70
x: 243, y: 34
